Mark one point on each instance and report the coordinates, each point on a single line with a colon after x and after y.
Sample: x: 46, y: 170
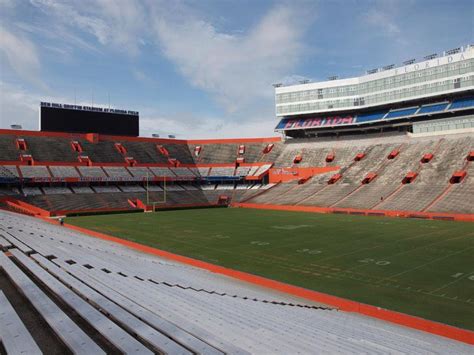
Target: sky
x: 205, y: 68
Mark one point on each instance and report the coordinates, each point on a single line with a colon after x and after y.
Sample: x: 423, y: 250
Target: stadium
x: 351, y: 232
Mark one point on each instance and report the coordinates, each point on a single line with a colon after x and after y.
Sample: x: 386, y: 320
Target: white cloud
x: 383, y: 21
x: 115, y: 23
x: 7, y: 3
x: 17, y: 106
x: 188, y: 125
x: 21, y: 55
x: 236, y: 69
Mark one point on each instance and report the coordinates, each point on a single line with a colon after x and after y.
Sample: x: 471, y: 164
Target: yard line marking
x: 430, y: 262
x: 420, y: 247
x: 450, y: 283
x: 383, y: 245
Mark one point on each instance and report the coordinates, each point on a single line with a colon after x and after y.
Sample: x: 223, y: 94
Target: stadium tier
x: 384, y: 171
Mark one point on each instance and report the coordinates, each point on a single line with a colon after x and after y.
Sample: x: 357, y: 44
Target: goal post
x: 154, y: 203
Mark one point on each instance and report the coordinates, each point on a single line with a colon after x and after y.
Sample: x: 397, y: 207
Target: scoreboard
x: 84, y: 119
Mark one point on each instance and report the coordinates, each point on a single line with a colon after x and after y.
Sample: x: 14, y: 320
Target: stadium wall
x: 295, y: 173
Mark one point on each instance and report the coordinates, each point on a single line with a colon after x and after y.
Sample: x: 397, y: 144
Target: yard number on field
x: 373, y: 261
x: 462, y: 273
x: 309, y: 251
x: 257, y: 242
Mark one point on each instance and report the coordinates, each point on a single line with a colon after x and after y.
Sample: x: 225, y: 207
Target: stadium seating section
x: 388, y: 172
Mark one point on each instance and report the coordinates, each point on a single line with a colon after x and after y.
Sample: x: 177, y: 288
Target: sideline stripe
x: 432, y: 327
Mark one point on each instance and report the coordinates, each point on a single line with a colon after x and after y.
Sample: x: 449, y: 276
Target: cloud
x: 115, y: 23
x: 7, y: 3
x: 185, y: 124
x: 21, y: 55
x: 18, y: 106
x: 383, y: 21
x: 236, y: 68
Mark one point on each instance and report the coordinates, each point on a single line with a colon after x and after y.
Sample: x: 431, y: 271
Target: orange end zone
x: 432, y: 327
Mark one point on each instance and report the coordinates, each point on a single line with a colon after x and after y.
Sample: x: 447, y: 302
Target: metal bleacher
x: 222, y: 171
x: 116, y: 171
x: 8, y: 171
x: 13, y: 334
x: 91, y: 171
x: 140, y: 172
x: 34, y: 171
x: 64, y: 171
x: 48, y: 190
x: 185, y: 172
x: 69, y: 332
x: 162, y: 171
x: 140, y: 303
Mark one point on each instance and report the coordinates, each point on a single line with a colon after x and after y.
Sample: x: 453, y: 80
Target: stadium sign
x: 88, y: 108
x: 305, y: 123
x: 429, y: 63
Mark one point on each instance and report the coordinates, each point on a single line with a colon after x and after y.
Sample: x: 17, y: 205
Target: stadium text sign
x: 296, y: 123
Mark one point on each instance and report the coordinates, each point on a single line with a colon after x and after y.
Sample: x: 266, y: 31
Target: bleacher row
x: 54, y: 190
x: 113, y: 198
x: 45, y: 149
x: 95, y: 297
x: 38, y: 171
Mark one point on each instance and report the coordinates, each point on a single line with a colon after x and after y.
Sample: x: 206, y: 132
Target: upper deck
x: 450, y: 73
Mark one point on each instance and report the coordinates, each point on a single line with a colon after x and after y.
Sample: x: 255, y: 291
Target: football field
x: 420, y: 267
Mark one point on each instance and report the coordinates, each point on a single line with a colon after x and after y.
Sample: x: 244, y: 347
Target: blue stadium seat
x: 373, y: 116
x: 401, y: 113
x: 433, y: 108
x: 462, y: 103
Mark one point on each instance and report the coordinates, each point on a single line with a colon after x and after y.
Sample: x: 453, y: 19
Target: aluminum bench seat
x: 73, y: 336
x: 17, y: 243
x: 5, y: 243
x: 119, y: 314
x: 112, y: 332
x: 13, y: 334
x: 120, y: 291
x: 184, y: 303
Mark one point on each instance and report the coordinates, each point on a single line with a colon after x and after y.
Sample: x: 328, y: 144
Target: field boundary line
x: 463, y: 335
x: 452, y: 282
x: 427, y: 263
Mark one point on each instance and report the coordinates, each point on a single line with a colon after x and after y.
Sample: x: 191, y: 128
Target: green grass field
x: 423, y: 268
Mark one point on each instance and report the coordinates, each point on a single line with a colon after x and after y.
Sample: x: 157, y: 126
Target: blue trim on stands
x: 367, y: 117
x: 433, y: 108
x: 401, y: 113
x: 462, y: 103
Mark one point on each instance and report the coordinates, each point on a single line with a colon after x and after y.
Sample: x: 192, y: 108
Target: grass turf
x: 420, y: 267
